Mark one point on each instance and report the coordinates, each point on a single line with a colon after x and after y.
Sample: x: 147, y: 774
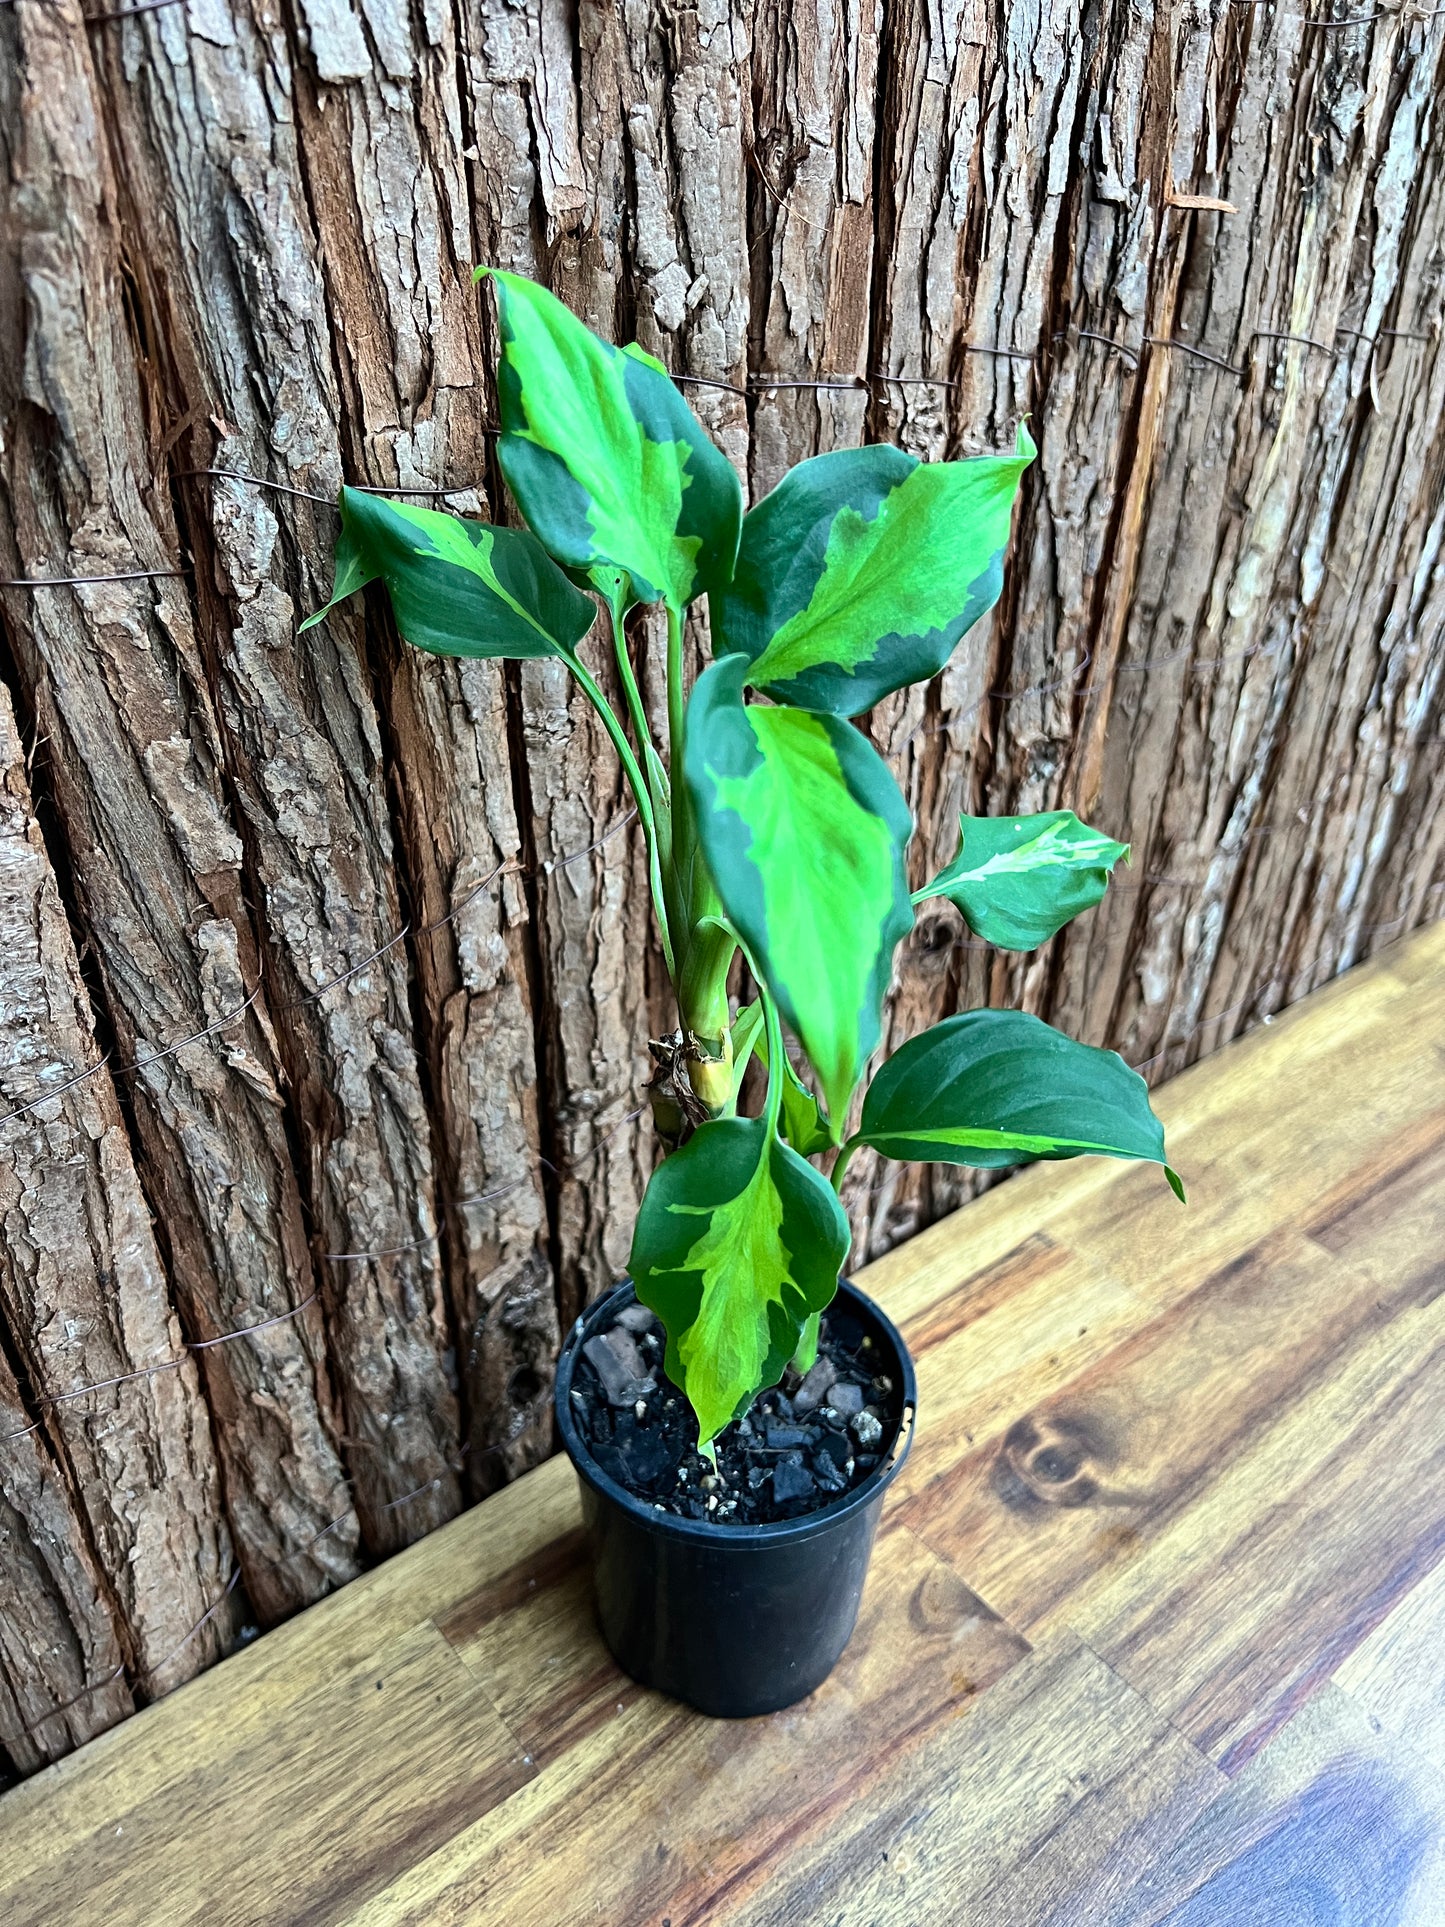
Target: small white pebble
x: 712, y: 1503
x: 641, y: 1408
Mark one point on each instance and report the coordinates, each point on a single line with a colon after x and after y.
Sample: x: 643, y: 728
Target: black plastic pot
x: 734, y: 1620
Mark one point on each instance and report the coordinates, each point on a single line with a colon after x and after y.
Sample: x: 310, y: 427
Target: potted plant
x: 733, y: 1443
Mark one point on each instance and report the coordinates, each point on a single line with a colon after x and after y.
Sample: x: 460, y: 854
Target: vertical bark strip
x: 62, y: 1662
x: 82, y: 1289
x: 129, y: 740
x: 202, y: 114
x: 1199, y: 247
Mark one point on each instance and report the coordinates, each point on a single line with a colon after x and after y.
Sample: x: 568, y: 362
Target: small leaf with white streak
x: 1018, y: 879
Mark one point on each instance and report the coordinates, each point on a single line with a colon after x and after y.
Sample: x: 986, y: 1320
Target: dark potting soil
x: 800, y: 1446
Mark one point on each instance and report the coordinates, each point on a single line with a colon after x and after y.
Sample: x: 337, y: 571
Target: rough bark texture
x: 82, y: 1290
x: 1200, y: 246
x: 111, y: 676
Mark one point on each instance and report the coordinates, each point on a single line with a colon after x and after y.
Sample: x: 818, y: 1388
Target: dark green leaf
x: 609, y: 465
x: 457, y: 588
x: 1018, y: 879
x: 863, y: 569
x: 998, y: 1087
x: 737, y: 1242
x: 803, y: 829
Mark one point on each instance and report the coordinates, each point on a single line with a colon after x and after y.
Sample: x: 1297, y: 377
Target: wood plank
x: 1332, y: 1823
x: 244, y: 1698
x: 1037, y: 1808
x: 389, y: 1756
x: 1003, y: 1339
x: 1396, y: 1675
x: 1206, y: 1503
x: 1257, y: 1133
x: 682, y: 1815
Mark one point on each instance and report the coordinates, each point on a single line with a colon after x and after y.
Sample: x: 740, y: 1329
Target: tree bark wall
x: 364, y: 933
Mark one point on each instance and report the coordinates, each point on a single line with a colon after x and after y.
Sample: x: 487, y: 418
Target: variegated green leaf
x: 737, y: 1242
x: 803, y: 830
x: 1018, y: 879
x: 998, y: 1087
x: 457, y: 588
x: 609, y: 465
x: 863, y: 569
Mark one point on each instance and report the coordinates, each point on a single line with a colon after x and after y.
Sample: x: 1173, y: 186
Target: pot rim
x: 702, y: 1531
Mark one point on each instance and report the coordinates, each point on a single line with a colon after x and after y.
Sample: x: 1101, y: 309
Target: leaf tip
x: 1176, y: 1183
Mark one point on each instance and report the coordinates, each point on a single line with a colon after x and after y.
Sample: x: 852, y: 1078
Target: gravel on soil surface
x: 800, y: 1446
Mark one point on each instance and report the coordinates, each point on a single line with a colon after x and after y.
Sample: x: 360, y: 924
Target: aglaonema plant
x: 773, y: 827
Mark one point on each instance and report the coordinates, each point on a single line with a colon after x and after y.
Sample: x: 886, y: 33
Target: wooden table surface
x: 1153, y: 1629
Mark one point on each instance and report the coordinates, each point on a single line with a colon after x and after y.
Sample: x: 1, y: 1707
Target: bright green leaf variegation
x: 863, y: 569
x: 803, y: 830
x: 998, y: 1087
x: 1018, y: 879
x: 458, y: 588
x: 738, y: 1242
x: 609, y: 465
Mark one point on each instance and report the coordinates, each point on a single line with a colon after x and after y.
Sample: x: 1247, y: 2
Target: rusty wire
x: 80, y: 581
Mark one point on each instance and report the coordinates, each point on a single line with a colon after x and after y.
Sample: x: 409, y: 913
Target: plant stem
x: 840, y: 1164
x: 674, y: 694
x: 806, y: 1356
x: 628, y: 678
x: 774, y: 1104
x: 641, y: 793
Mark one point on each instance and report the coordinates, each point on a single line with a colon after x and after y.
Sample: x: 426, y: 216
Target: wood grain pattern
x: 1331, y: 1823
x: 1151, y: 1632
x: 1395, y: 1675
